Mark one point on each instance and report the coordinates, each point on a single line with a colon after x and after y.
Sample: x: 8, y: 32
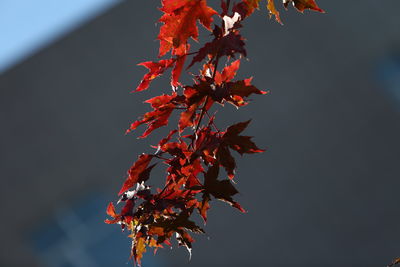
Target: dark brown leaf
x: 226, y: 160
x: 228, y: 45
x: 241, y: 144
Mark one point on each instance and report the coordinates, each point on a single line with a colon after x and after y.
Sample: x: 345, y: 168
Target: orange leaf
x: 273, y: 11
x: 111, y: 210
x: 138, y: 249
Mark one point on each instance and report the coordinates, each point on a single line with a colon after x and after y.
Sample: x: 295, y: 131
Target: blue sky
x: 27, y: 26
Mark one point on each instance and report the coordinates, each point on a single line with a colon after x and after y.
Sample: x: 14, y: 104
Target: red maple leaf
x: 179, y: 19
x: 242, y: 144
x: 155, y: 70
x: 238, y: 92
x: 228, y: 73
x: 153, y: 218
x: 111, y: 212
x: 177, y: 70
x: 163, y: 106
x: 135, y: 171
x: 246, y: 7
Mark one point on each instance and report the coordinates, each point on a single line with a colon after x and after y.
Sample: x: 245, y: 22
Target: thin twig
x: 212, y: 122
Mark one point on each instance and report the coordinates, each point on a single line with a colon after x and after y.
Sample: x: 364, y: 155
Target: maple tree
x: 197, y: 153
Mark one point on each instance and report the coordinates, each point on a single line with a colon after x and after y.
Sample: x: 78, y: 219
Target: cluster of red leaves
x: 194, y: 159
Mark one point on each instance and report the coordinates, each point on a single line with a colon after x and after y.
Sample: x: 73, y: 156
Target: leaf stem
x: 212, y: 123
x: 159, y: 157
x: 203, y: 110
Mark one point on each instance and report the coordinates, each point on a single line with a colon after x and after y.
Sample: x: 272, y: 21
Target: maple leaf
x: 226, y: 160
x: 242, y: 144
x: 184, y: 239
x: 163, y: 106
x: 177, y: 70
x: 246, y: 7
x: 252, y: 4
x: 156, y: 69
x: 219, y: 90
x: 220, y: 189
x: 227, y: 45
x: 206, y: 144
x: 180, y: 222
x: 135, y: 171
x: 179, y: 19
x: 138, y: 249
x: 165, y: 139
x: 273, y: 11
x: 204, y: 206
x: 145, y: 175
x: 111, y: 212
x: 301, y: 5
x: 195, y: 96
x: 228, y: 73
x: 169, y: 6
x: 127, y: 209
x: 239, y: 143
x: 187, y: 117
x: 240, y: 90
x: 191, y: 170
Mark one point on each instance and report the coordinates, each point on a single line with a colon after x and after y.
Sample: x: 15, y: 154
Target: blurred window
x: 389, y: 76
x: 77, y: 236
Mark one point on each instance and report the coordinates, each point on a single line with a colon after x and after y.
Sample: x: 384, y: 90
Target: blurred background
x: 324, y: 194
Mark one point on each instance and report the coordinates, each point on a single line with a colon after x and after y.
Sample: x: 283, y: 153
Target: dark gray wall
x: 324, y: 194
